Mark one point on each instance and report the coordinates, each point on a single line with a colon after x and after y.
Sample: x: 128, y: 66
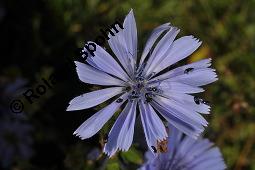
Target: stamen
x: 148, y: 97
x: 139, y: 78
x: 134, y: 95
x: 151, y: 75
x: 139, y: 86
x: 155, y: 82
x: 140, y: 69
x: 155, y: 89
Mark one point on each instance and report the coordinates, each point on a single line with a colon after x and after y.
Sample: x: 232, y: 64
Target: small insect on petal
x: 162, y: 146
x: 205, y: 102
x: 196, y: 100
x: 119, y: 100
x: 154, y: 149
x: 188, y: 70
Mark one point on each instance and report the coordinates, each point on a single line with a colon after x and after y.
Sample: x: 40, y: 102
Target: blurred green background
x: 38, y: 36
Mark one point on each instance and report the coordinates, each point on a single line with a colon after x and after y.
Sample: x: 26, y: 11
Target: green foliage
x: 132, y: 156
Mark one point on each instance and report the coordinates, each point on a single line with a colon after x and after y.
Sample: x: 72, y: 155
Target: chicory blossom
x: 185, y: 153
x: 147, y: 84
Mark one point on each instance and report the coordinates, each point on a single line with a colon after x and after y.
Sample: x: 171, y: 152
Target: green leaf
x: 132, y: 156
x: 112, y: 165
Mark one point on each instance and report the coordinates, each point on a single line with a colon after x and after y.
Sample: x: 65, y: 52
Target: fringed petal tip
x: 113, y: 152
x: 69, y: 108
x: 110, y: 154
x: 79, y: 136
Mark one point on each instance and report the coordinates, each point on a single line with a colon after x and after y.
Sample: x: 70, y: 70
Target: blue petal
x: 187, y: 101
x: 198, y: 77
x: 94, y: 98
x: 171, y: 86
x: 118, y: 46
x: 177, y: 107
x: 181, y: 48
x: 154, y: 128
x: 161, y: 51
x: 90, y: 75
x: 205, y: 63
x: 91, y: 126
x: 107, y: 63
x: 130, y: 35
x: 185, y: 153
x: 179, y: 120
x: 152, y: 39
x: 121, y: 134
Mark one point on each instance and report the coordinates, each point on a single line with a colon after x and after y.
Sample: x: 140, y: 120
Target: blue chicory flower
x: 143, y: 84
x: 185, y: 153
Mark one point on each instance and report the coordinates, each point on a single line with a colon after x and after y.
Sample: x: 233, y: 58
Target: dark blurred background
x: 40, y: 38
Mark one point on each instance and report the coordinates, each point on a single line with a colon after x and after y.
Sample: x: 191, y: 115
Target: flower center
x: 140, y: 89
